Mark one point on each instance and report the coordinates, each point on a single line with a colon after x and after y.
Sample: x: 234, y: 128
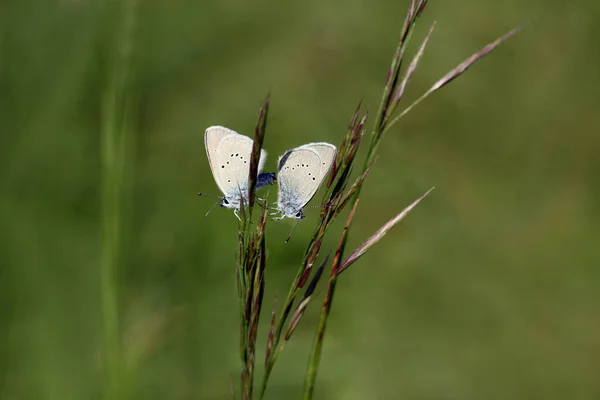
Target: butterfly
x: 300, y: 172
x: 229, y: 155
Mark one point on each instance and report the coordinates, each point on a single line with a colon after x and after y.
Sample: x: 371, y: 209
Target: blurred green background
x: 488, y: 290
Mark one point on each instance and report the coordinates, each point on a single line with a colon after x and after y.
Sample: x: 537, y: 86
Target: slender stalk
x: 315, y: 356
x: 276, y: 349
x: 252, y: 262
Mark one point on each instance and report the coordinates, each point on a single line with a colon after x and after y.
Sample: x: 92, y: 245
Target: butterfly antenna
x: 293, y: 229
x: 317, y: 207
x: 208, y: 195
x: 214, y: 205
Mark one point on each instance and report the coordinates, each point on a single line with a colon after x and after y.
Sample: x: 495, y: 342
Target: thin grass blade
x: 308, y: 295
x: 412, y: 67
x: 462, y: 67
x: 355, y: 141
x: 455, y: 73
x: 259, y: 135
x: 315, y: 357
x: 385, y: 109
x: 271, y: 336
x: 254, y: 297
x: 377, y: 236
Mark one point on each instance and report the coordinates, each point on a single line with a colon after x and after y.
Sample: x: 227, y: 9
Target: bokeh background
x: 488, y: 290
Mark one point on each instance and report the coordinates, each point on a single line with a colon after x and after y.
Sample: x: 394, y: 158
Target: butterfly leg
x: 280, y: 217
x: 237, y: 216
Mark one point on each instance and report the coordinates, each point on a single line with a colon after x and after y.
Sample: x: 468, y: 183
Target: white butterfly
x: 300, y: 172
x: 229, y: 158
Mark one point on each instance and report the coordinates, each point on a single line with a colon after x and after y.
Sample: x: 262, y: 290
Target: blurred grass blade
x: 455, y: 73
x: 378, y: 235
x: 116, y: 139
x: 232, y: 389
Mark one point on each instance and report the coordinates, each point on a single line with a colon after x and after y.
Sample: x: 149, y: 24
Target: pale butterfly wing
x: 300, y: 173
x: 229, y: 158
